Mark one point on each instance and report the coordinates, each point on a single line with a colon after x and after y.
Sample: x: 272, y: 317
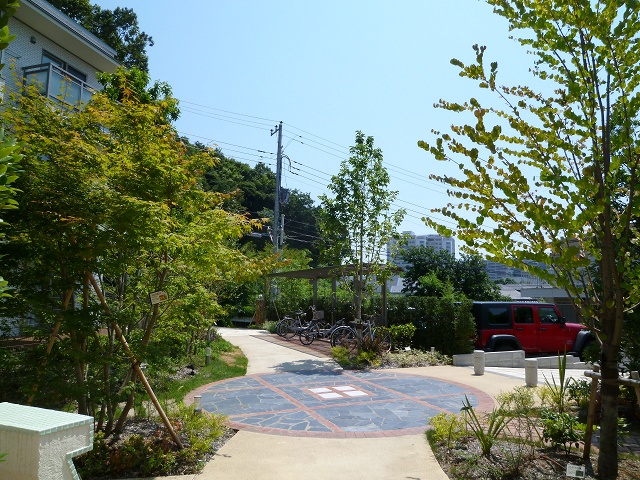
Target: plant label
x: 576, y: 471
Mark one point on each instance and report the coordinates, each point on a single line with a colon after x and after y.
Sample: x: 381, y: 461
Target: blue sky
x: 326, y: 69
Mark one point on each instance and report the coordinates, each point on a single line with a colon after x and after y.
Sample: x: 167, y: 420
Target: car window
x: 498, y: 316
x: 548, y: 315
x: 523, y: 314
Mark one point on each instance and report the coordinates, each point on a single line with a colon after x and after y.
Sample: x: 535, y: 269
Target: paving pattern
x: 336, y: 404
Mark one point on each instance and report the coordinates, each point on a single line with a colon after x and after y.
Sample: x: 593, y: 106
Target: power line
x: 270, y: 121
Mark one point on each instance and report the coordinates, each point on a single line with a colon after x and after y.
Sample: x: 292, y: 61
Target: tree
x: 467, y: 275
x: 252, y: 191
x: 357, y: 222
x: 112, y: 208
x: 117, y: 28
x: 129, y: 83
x: 553, y: 178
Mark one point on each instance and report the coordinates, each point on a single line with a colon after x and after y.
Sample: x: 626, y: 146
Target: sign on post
x: 158, y: 297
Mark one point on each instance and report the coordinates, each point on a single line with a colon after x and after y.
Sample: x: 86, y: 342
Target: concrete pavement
x: 254, y: 455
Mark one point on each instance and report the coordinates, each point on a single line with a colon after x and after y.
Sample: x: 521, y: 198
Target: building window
x: 58, y: 80
x: 52, y: 59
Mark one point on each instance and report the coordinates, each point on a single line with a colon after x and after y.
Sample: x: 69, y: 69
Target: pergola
x: 335, y: 272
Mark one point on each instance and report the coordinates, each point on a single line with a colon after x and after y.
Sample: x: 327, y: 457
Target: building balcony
x: 58, y: 84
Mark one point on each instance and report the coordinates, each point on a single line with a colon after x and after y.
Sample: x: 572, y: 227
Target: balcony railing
x: 55, y: 83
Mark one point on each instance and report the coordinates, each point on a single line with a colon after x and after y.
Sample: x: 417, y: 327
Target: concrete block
x: 41, y: 443
x: 478, y: 362
x: 531, y: 372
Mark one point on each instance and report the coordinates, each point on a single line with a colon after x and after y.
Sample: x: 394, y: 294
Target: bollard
x: 207, y: 358
x: 531, y: 372
x: 433, y: 349
x: 478, y: 362
x: 196, y: 404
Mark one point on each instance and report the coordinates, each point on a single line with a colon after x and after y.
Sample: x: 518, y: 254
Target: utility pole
x: 276, y: 208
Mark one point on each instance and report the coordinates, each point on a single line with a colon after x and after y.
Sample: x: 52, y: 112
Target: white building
x: 437, y: 242
x: 52, y: 50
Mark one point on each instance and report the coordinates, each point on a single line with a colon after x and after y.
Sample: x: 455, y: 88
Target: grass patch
x: 227, y: 361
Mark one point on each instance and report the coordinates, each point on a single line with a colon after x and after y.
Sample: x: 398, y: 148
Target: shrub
x: 155, y: 454
x: 270, y: 326
x: 402, y: 335
x: 487, y: 430
x: 447, y: 428
x: 579, y: 391
x: 518, y: 402
x: 414, y: 358
x: 440, y: 322
x: 561, y: 429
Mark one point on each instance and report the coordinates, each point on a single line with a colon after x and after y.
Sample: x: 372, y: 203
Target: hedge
x: 441, y: 323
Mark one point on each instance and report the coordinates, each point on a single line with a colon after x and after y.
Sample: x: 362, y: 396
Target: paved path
x: 354, y: 445
x: 299, y: 415
x: 337, y: 404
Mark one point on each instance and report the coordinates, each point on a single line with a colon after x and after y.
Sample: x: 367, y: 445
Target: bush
x: 441, y: 323
x: 579, y: 392
x: 561, y: 429
x: 518, y: 402
x: 414, y: 358
x: 155, y: 453
x: 448, y: 428
x: 402, y: 335
x: 269, y: 326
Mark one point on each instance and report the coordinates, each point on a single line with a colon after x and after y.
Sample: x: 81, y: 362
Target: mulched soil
x: 516, y: 461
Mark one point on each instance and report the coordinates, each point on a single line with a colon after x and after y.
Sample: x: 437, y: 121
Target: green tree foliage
x: 118, y: 28
x: 357, y: 222
x: 251, y: 190
x: 135, y: 83
x: 291, y: 294
x: 467, y: 275
x: 8, y: 9
x: 111, y: 208
x: 9, y: 150
x: 552, y: 178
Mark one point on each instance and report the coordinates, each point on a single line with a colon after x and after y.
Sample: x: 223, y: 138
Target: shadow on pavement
x: 302, y: 366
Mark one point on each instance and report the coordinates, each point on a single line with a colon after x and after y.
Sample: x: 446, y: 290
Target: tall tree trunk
x: 608, y: 456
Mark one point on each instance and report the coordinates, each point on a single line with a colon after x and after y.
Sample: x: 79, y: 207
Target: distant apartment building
x: 437, y: 242
x: 498, y: 272
x: 55, y: 53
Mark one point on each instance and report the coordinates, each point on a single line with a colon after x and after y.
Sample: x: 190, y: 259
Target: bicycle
x: 289, y: 326
x: 347, y: 337
x: 319, y: 329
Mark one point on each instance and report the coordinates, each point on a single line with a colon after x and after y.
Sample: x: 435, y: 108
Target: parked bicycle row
x: 338, y: 334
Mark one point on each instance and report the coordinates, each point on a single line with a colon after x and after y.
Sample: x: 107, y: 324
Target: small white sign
x: 576, y: 471
x: 158, y: 297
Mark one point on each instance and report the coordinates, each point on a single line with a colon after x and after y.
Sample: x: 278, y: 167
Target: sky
x: 325, y: 69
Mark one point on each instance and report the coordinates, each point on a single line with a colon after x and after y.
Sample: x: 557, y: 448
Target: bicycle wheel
x: 282, y: 327
x: 384, y: 339
x: 345, y: 337
x: 336, y: 335
x: 291, y: 331
x: 309, y: 334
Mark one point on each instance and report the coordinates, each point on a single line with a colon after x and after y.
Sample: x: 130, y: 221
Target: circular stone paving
x: 336, y: 404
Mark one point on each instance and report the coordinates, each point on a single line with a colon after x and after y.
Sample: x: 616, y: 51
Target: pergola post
x: 383, y: 295
x: 334, y: 299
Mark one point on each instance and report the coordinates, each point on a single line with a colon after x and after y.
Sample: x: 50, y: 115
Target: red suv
x: 532, y: 327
